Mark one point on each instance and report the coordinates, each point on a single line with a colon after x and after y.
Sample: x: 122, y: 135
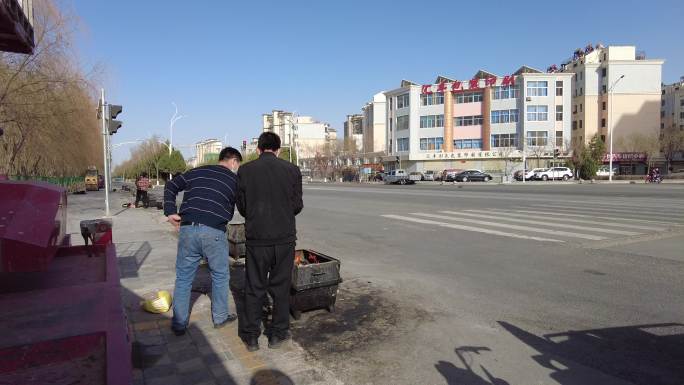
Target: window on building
x: 432, y: 99
x: 431, y: 144
x: 468, y: 97
x: 431, y: 121
x: 604, y: 89
x: 391, y: 99
x: 559, y: 139
x: 559, y: 113
x: 514, y: 115
x: 402, y: 122
x: 603, y: 122
x: 504, y: 116
x: 681, y: 102
x: 681, y: 115
x: 537, y: 113
x: 505, y: 92
x: 537, y: 138
x: 662, y: 103
x: 475, y: 120
x: 580, y: 123
x: 603, y: 71
x: 574, y: 108
x: 662, y: 114
x: 467, y: 143
x: 580, y: 75
x: 580, y: 107
x: 403, y: 144
x: 559, y: 88
x: 403, y: 101
x: 581, y: 91
x: 574, y: 124
x: 537, y: 88
x: 504, y: 140
x: 662, y: 125
x: 604, y: 106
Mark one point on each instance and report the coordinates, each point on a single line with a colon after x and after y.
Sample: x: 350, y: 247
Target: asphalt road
x: 500, y: 284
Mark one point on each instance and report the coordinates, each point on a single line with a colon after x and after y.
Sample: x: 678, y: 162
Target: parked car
x: 472, y: 176
x: 449, y: 174
x: 429, y: 175
x: 603, y: 171
x: 529, y: 174
x: 416, y: 176
x: 554, y: 173
x: 398, y: 177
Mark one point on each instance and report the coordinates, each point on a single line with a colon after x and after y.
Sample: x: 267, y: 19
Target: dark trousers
x: 141, y: 195
x: 268, y: 268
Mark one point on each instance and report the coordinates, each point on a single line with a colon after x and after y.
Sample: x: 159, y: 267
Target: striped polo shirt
x: 209, y: 196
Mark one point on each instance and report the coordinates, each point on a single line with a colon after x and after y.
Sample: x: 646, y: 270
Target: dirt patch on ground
x: 366, y: 316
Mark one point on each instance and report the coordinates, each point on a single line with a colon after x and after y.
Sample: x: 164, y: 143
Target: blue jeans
x: 195, y: 242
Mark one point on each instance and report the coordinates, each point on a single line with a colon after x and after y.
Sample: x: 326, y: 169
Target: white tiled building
x: 477, y: 123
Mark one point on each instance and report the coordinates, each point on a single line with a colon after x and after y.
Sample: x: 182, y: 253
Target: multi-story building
x: 672, y: 123
x: 373, y: 125
x: 282, y: 123
x: 479, y: 123
x: 614, y: 88
x: 207, y: 151
x: 353, y: 131
x: 312, y: 136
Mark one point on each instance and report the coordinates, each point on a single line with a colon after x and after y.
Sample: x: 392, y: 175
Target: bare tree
x: 671, y: 143
x: 47, y: 104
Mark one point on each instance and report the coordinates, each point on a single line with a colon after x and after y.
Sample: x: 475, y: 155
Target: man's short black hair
x: 268, y: 141
x: 230, y: 153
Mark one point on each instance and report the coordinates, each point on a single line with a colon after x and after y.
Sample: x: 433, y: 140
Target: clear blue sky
x: 226, y: 62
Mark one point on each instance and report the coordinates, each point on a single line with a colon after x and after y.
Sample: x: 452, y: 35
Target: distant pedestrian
x: 208, y: 205
x: 142, y: 184
x: 269, y: 197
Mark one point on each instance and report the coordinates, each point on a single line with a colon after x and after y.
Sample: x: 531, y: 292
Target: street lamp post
x: 173, y: 121
x: 610, y: 133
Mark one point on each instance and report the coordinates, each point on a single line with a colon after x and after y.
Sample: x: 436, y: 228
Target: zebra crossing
x: 556, y: 223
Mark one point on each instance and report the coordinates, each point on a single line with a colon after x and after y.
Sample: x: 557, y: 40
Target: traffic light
x: 113, y: 124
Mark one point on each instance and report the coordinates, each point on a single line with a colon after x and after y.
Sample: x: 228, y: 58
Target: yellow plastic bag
x: 158, y: 302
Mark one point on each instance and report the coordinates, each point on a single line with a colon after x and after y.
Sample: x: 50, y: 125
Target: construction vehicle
x: 92, y: 180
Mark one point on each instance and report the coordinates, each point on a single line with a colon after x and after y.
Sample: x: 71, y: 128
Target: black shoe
x: 276, y: 341
x: 231, y: 318
x: 178, y: 332
x: 251, y: 343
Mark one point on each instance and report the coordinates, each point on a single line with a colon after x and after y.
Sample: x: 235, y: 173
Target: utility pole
x: 105, y: 142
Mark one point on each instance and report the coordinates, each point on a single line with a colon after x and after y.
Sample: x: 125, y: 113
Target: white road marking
x: 470, y: 228
x: 516, y: 227
x: 632, y: 220
x: 541, y: 221
x: 669, y: 214
x: 515, y: 213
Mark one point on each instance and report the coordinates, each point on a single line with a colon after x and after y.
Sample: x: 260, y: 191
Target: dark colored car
x: 472, y: 176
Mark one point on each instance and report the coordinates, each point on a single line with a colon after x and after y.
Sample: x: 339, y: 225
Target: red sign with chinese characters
x: 472, y: 84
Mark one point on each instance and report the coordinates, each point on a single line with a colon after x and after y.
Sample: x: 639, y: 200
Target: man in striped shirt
x: 208, y: 205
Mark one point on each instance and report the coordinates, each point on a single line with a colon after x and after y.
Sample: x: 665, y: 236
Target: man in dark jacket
x: 269, y: 197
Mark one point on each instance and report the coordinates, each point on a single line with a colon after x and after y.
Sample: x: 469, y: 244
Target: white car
x: 429, y: 175
x: 603, y: 171
x: 554, y: 173
x: 529, y: 175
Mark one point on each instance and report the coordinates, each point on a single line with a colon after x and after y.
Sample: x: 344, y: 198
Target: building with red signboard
x: 480, y: 122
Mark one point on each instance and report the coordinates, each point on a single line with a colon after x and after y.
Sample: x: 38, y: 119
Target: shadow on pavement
x: 131, y: 256
x: 467, y: 375
x: 642, y: 354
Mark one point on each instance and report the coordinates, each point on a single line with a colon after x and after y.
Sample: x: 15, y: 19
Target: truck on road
x: 92, y: 179
x: 398, y: 177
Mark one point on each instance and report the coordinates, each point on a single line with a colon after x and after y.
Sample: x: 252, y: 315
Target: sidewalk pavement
x: 146, y: 248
